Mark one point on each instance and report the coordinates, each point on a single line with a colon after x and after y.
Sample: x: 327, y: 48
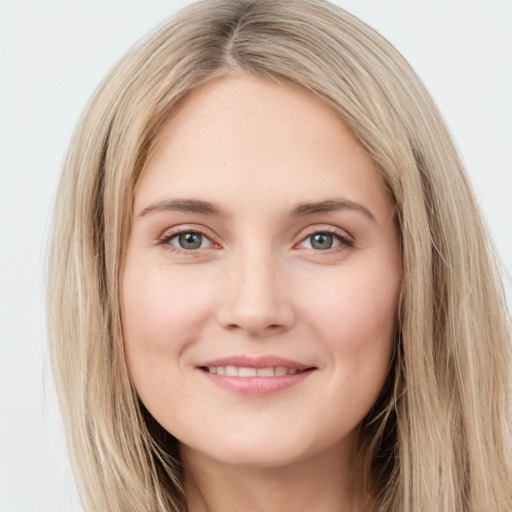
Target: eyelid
x: 344, y: 237
x: 175, y: 231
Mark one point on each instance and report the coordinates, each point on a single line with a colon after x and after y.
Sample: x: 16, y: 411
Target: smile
x: 258, y: 376
x: 245, y: 371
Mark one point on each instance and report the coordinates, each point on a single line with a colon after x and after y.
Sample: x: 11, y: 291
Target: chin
x: 273, y: 449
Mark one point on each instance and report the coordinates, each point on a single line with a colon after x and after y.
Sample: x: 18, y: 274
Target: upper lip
x: 255, y: 362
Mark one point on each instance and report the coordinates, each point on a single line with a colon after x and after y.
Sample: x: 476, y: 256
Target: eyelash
x: 166, y: 241
x: 344, y: 242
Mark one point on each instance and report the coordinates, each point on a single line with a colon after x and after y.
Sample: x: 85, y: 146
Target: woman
x: 270, y: 284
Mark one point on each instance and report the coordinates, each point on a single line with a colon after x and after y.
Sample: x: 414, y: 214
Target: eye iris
x: 190, y: 240
x: 321, y: 241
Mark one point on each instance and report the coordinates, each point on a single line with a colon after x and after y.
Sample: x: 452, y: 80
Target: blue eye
x: 188, y: 240
x: 323, y: 241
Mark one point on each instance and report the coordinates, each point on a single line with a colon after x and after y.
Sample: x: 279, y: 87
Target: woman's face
x: 261, y: 277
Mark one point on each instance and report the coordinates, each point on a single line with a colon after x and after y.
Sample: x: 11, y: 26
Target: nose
x: 256, y: 298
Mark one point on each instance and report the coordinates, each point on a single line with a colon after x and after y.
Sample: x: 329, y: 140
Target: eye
x: 321, y: 241
x: 325, y: 240
x: 188, y: 240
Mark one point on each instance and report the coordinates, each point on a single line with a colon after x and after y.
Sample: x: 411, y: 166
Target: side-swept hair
x: 438, y: 438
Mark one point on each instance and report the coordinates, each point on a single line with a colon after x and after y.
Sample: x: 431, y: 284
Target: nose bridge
x: 256, y: 297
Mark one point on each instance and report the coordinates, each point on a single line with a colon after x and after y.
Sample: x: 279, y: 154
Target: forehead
x: 246, y: 135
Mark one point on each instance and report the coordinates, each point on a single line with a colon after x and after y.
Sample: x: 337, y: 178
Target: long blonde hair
x: 438, y: 438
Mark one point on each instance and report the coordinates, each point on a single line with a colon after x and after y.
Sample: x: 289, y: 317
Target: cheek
x: 162, y: 311
x: 162, y: 305
x: 357, y: 308
x: 356, y: 321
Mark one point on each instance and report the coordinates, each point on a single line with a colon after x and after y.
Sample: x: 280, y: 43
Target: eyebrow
x: 330, y: 206
x: 208, y: 208
x: 185, y: 205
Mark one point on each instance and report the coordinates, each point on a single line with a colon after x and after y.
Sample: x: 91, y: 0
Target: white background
x: 53, y: 54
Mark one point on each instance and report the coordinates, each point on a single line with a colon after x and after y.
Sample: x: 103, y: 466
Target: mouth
x: 248, y: 371
x: 255, y: 376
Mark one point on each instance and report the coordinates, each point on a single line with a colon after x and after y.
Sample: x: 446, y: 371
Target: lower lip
x: 257, y: 385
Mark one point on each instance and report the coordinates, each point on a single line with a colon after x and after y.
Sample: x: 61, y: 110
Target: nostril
x: 271, y: 327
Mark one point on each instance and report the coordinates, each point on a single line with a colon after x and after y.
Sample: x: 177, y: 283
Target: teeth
x: 247, y: 372
x: 265, y: 372
x: 231, y: 371
x: 243, y: 371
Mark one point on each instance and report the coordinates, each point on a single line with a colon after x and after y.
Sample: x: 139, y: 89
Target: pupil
x: 321, y: 241
x: 190, y: 240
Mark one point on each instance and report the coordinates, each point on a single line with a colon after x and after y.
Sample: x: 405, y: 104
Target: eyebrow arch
x: 185, y: 205
x: 329, y: 206
x: 207, y: 208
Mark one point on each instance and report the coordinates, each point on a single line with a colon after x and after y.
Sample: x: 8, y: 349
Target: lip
x: 256, y: 386
x: 255, y: 362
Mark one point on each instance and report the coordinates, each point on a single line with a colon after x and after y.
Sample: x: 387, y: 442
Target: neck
x: 322, y: 483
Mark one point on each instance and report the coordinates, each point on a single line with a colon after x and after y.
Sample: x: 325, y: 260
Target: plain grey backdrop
x: 52, y: 56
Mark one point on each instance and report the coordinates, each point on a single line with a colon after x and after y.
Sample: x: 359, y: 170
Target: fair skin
x: 264, y: 239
